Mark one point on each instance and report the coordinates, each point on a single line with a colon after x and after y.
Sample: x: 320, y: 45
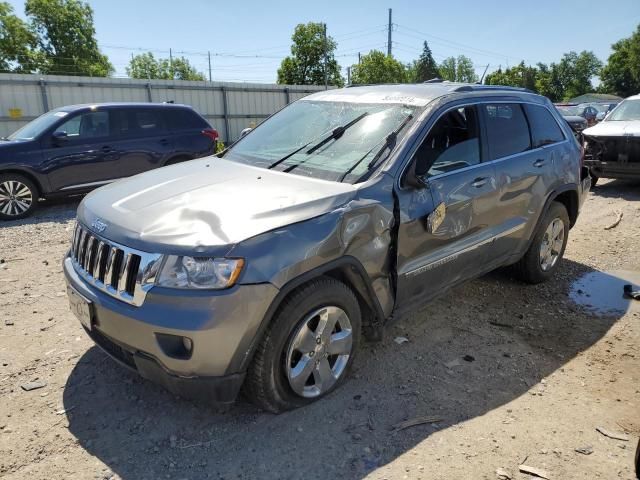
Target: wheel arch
x: 347, y: 270
x: 29, y: 175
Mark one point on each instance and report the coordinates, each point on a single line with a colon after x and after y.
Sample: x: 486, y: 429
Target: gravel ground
x: 510, y: 374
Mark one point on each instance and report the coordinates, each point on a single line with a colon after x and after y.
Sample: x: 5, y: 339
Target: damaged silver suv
x: 262, y: 268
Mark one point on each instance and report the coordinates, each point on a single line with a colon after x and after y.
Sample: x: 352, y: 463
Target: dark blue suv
x: 74, y: 149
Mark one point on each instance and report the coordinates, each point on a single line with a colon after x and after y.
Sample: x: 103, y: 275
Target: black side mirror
x: 60, y: 137
x: 412, y: 179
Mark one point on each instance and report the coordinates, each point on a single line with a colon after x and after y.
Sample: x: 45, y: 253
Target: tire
x: 18, y: 196
x: 532, y: 268
x: 272, y: 380
x: 594, y: 179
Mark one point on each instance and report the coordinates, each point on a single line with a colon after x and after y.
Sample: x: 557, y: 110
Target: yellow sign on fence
x: 15, y: 112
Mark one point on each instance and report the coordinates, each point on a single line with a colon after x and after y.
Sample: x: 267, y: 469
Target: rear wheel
x: 308, y: 349
x: 18, y: 197
x: 547, y: 247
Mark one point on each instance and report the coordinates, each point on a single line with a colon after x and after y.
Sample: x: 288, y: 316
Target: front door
x: 81, y: 154
x: 434, y: 253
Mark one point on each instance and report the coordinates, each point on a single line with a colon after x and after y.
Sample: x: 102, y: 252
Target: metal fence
x: 229, y: 107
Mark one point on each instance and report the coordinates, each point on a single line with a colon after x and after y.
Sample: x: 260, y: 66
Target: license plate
x: 80, y: 306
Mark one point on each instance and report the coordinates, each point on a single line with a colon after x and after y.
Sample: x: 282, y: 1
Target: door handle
x: 107, y: 149
x: 164, y: 141
x: 479, y: 182
x: 539, y: 163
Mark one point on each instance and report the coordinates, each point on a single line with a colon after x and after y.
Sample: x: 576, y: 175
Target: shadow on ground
x: 625, y: 189
x: 516, y: 334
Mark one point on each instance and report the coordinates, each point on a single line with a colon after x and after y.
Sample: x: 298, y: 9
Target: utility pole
x: 389, y: 35
x: 171, y: 64
x: 348, y: 75
x: 326, y: 78
x: 359, y: 58
x: 209, y: 57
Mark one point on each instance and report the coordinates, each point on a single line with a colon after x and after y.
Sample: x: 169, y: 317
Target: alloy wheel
x: 319, y: 351
x: 552, y: 243
x: 15, y: 198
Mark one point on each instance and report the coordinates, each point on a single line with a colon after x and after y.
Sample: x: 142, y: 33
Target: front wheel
x: 18, y: 196
x: 308, y: 349
x: 547, y: 247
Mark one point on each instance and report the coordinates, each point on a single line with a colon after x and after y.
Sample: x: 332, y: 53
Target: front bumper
x: 221, y: 324
x: 628, y: 170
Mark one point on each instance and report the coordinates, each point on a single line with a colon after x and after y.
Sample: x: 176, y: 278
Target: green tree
x: 458, y: 69
x: 17, y: 42
x: 576, y: 71
x: 66, y: 38
x: 147, y: 66
x: 517, y: 76
x: 568, y: 78
x: 378, y: 67
x: 621, y: 74
x: 424, y: 68
x: 306, y: 65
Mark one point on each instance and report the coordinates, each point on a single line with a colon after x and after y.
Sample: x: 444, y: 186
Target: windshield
x: 37, y: 126
x: 627, y: 110
x: 569, y: 110
x: 287, y: 134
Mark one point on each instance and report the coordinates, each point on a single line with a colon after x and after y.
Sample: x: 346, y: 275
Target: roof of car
x: 418, y: 94
x: 122, y: 104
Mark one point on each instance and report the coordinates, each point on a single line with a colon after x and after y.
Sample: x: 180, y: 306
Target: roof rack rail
x: 476, y: 88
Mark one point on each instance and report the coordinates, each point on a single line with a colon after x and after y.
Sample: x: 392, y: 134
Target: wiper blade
x: 389, y: 142
x: 289, y: 155
x: 337, y: 133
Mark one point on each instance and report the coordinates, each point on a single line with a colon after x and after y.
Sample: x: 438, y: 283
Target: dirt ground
x: 511, y: 374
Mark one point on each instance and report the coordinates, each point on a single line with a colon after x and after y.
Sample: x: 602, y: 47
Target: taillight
x: 212, y: 133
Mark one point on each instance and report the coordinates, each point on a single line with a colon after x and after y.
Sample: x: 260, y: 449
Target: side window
x: 86, y: 126
x: 452, y: 143
x: 507, y: 130
x: 146, y: 122
x: 184, y: 119
x: 544, y: 128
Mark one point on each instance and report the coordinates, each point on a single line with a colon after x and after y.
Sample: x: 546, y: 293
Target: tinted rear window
x: 182, y: 118
x: 507, y: 130
x: 544, y: 128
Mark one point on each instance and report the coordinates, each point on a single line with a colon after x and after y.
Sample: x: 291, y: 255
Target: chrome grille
x: 122, y: 272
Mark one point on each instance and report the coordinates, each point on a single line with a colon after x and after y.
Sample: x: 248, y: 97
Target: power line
x: 455, y: 44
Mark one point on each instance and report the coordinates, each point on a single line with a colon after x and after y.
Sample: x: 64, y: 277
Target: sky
x: 248, y: 39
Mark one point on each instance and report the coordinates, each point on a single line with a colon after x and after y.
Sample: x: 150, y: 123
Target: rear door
x: 433, y: 255
x: 520, y: 140
x: 86, y: 156
x: 144, y: 140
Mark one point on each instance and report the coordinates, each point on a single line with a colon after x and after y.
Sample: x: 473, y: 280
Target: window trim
x: 418, y: 142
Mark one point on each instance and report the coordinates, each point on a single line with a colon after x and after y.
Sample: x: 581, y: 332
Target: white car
x: 612, y: 147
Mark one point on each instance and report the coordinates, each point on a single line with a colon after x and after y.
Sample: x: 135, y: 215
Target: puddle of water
x: 602, y: 292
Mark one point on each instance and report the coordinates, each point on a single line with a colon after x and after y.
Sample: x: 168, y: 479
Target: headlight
x: 199, y: 272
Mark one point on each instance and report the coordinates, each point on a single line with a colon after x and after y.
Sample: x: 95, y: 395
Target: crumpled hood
x: 615, y: 129
x: 206, y: 205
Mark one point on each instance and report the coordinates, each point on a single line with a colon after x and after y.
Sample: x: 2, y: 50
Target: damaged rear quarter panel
x: 360, y: 228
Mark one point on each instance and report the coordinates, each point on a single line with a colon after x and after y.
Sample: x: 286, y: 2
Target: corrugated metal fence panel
x: 23, y: 97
